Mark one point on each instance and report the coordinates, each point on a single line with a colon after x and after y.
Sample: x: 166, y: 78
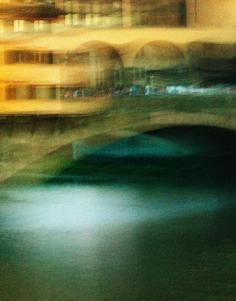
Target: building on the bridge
x: 52, y: 49
x: 36, y: 15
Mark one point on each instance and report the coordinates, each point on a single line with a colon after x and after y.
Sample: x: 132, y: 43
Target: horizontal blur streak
x: 67, y: 51
x: 119, y: 65
x: 117, y: 242
x: 91, y: 207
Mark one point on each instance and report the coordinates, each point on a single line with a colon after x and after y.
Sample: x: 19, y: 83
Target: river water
x: 169, y: 238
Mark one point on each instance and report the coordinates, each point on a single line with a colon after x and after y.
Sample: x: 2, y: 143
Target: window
x: 158, y: 13
x: 68, y: 19
x: 1, y: 26
x: 68, y: 6
x: 41, y: 26
x: 93, y: 12
x: 89, y: 20
x: 28, y: 57
x: 20, y: 92
x: 72, y: 19
x: 19, y: 25
x: 75, y: 19
x: 45, y: 92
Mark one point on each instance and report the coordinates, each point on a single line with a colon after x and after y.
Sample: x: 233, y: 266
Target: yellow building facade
x: 51, y: 49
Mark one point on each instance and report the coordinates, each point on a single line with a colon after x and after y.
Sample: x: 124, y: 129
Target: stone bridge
x: 114, y: 49
x: 27, y: 138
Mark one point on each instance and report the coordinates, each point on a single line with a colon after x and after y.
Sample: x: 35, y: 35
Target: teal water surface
x: 122, y: 229
x: 117, y: 242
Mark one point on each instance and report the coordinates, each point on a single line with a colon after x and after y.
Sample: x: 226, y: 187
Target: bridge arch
x: 104, y: 63
x: 158, y: 55
x: 154, y: 59
x: 162, y: 141
x: 66, y: 130
x: 214, y: 62
x: 155, y: 122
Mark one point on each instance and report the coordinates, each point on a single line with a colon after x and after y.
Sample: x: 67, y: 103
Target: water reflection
x: 86, y: 207
x: 117, y: 242
x: 125, y: 224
